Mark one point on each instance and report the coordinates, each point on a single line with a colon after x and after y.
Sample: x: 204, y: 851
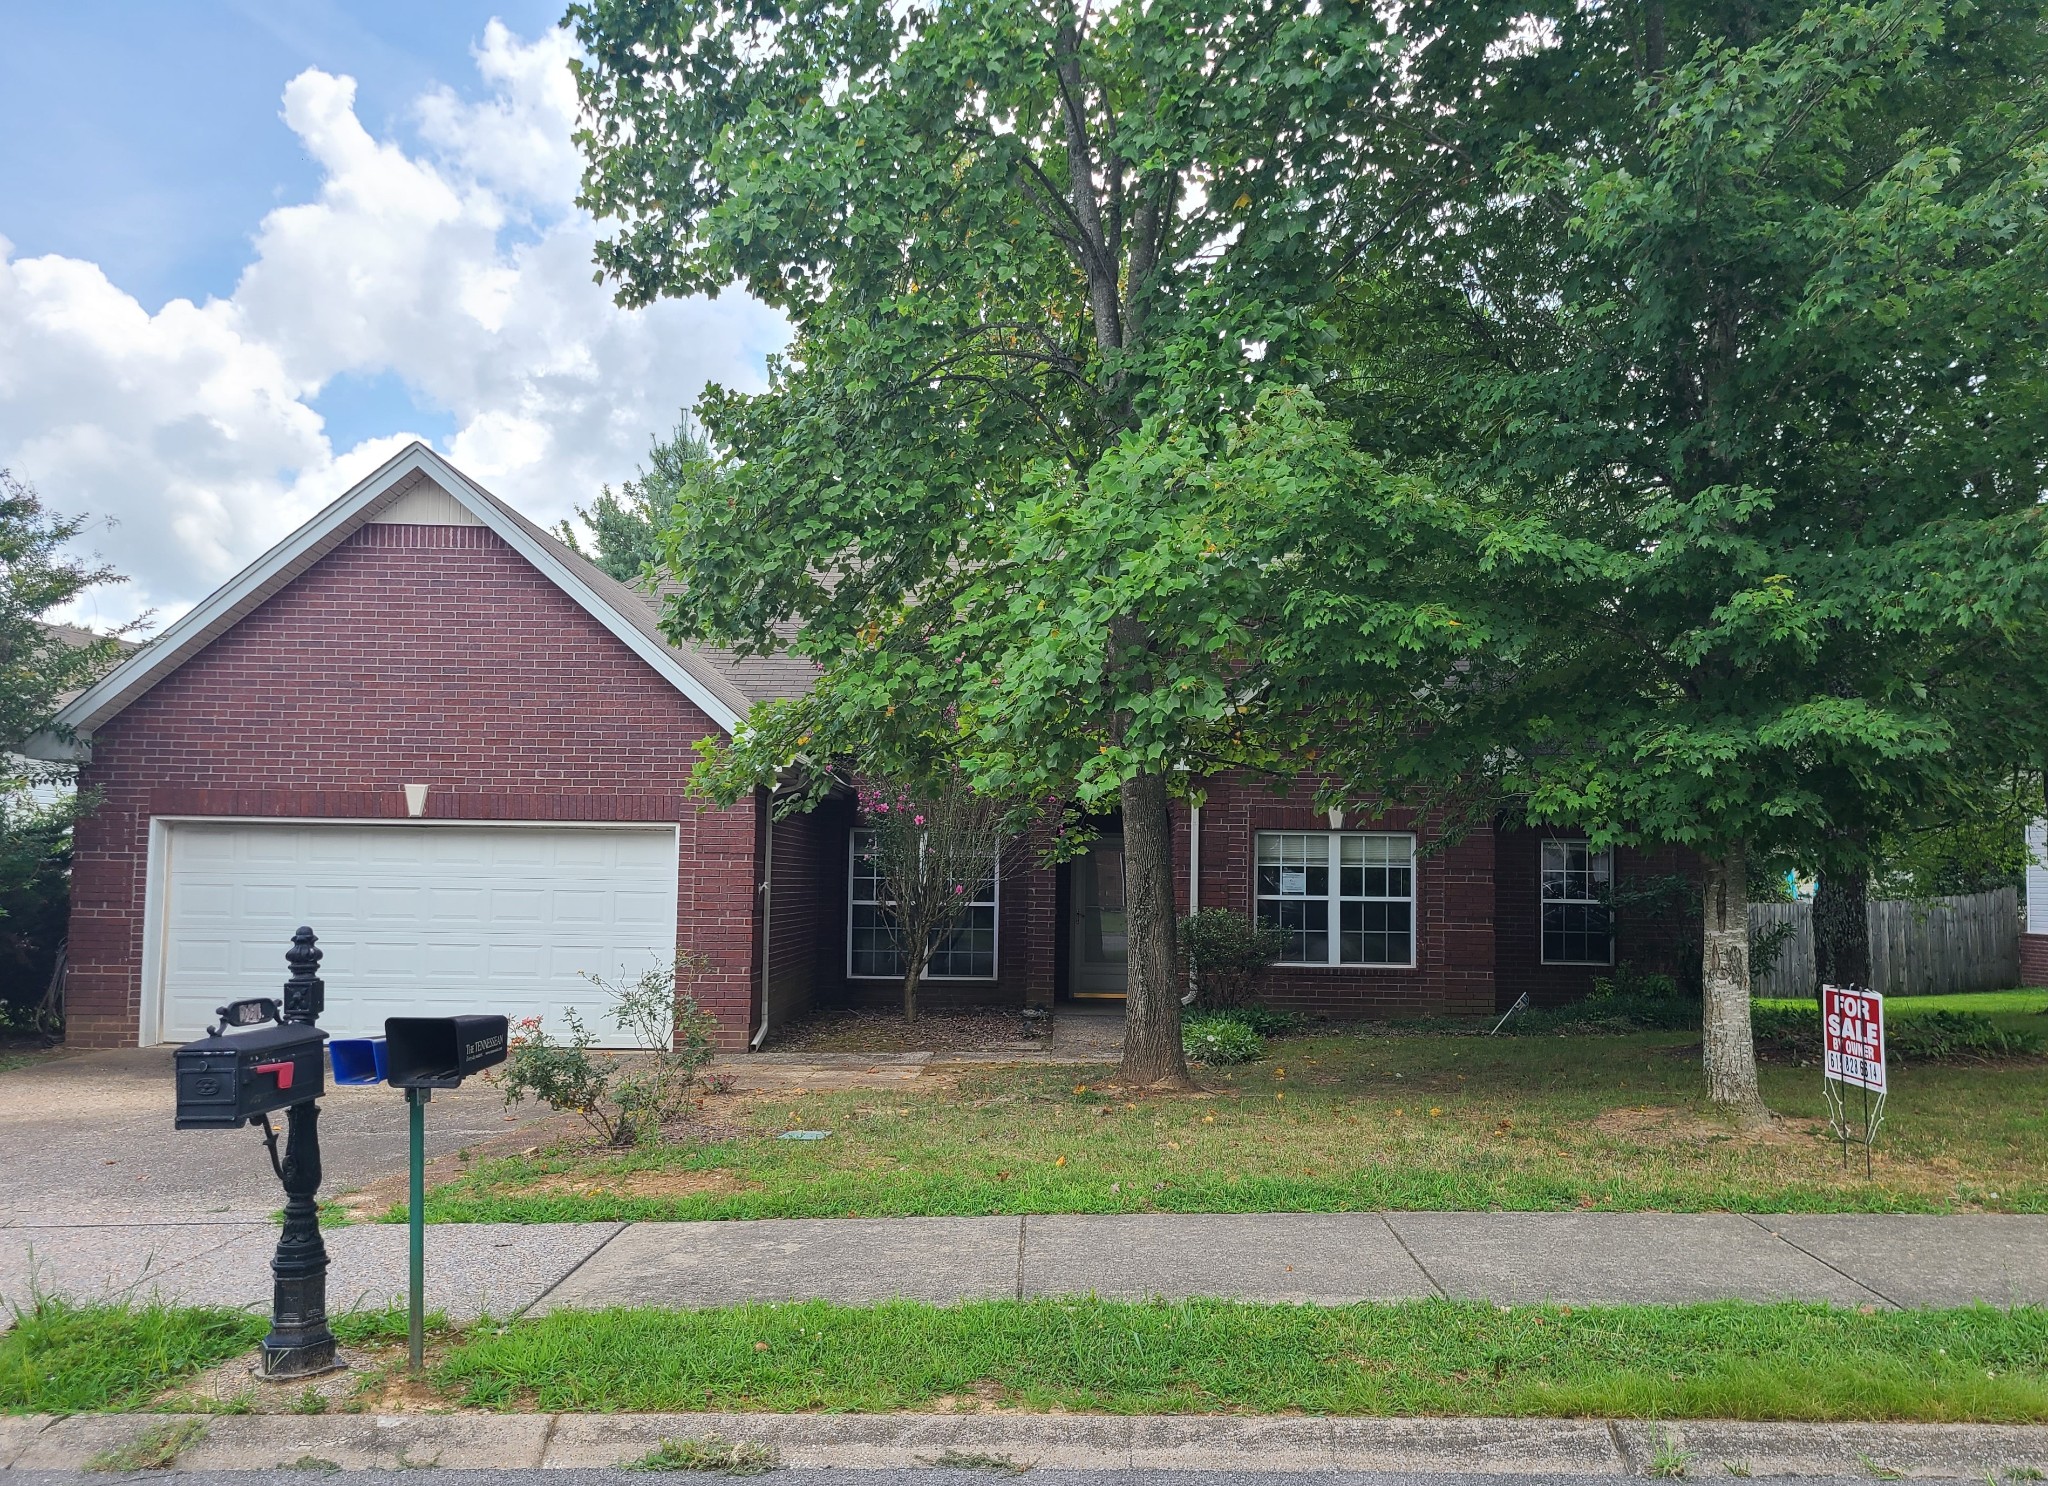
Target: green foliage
x: 1219, y: 1039
x: 1727, y: 330
x: 623, y: 1100
x: 1976, y: 842
x: 1229, y: 954
x: 627, y: 527
x: 1793, y: 1030
x: 39, y: 663
x: 1629, y: 1000
x: 62, y: 1357
x: 1267, y: 1021
x: 1038, y: 480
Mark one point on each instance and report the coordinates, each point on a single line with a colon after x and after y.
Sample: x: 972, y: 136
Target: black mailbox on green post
x: 422, y: 1054
x: 439, y: 1052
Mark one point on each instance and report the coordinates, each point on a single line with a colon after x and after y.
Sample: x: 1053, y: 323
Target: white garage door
x: 415, y: 920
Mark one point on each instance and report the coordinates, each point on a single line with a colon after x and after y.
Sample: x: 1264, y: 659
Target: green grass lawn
x: 59, y: 1357
x: 2000, y: 1006
x: 1332, y: 1122
x: 1423, y: 1357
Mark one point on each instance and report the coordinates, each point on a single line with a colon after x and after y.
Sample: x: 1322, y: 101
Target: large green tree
x: 1727, y: 321
x: 626, y: 526
x: 1037, y: 468
x: 39, y: 663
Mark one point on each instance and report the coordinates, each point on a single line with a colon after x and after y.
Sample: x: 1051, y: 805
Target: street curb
x: 1579, y: 1447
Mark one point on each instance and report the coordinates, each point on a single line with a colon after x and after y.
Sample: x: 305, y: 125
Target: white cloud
x: 462, y: 267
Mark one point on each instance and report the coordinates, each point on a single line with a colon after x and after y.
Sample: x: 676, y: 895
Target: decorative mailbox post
x: 228, y: 1079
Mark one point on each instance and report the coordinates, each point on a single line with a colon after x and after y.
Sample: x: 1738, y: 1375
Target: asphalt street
x: 937, y: 1476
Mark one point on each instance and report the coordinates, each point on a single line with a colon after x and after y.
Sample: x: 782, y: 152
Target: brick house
x: 460, y: 752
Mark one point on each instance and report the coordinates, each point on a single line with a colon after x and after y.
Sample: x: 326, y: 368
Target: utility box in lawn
x: 227, y: 1079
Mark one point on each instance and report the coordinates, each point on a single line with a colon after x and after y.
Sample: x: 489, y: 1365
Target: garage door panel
x: 332, y: 903
x: 513, y: 906
x: 271, y: 849
x: 640, y: 912
x: 414, y: 920
x: 269, y: 900
x: 203, y: 956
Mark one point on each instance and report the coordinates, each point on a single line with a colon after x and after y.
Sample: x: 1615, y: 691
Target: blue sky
x: 250, y: 243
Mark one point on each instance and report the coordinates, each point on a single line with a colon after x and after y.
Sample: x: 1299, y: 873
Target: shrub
x: 1793, y: 1032
x: 1216, y: 1040
x: 1629, y: 1000
x: 1265, y: 1020
x: 623, y: 1100
x: 1229, y: 955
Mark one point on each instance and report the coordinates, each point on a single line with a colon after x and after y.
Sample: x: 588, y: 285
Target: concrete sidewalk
x: 1319, y: 1258
x: 1573, y: 1449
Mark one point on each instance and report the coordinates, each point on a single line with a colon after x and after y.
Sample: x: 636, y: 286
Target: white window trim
x: 1543, y: 955
x: 1414, y: 959
x: 995, y: 905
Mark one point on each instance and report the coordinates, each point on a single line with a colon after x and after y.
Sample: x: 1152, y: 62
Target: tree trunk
x: 1841, y: 930
x: 911, y: 976
x: 1728, y: 1047
x: 1152, y: 1046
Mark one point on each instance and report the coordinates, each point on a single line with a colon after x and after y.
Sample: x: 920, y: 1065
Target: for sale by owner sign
x: 1854, y: 1026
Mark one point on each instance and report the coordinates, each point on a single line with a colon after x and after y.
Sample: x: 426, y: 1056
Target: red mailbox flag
x: 1853, y: 1024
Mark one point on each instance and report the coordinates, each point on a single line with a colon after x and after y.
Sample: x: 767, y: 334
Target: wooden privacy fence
x: 1926, y: 948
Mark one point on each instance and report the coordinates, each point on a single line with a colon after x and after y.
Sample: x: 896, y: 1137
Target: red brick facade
x: 437, y: 654
x: 2034, y: 959
x: 410, y: 654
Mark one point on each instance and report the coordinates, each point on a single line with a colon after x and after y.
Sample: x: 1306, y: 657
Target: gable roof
x: 722, y: 686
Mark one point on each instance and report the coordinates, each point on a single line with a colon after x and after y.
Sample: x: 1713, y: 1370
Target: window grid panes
x: 1578, y: 924
x: 1369, y: 897
x: 963, y: 950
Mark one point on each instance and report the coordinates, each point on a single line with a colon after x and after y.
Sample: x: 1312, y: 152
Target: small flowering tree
x: 930, y: 848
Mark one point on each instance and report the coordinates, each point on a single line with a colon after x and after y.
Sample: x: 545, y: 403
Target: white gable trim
x: 70, y: 736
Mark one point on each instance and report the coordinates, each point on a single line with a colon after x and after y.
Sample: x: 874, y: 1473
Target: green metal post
x: 416, y: 1222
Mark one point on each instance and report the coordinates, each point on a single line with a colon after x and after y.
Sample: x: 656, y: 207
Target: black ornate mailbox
x: 228, y: 1079
x: 439, y: 1052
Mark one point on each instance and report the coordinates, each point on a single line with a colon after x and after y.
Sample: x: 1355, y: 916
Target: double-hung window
x: 1341, y: 897
x: 963, y: 950
x: 1578, y: 921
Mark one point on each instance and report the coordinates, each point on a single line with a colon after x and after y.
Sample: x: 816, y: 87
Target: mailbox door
x: 209, y: 1087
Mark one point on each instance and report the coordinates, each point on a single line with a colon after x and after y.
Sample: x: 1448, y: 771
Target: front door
x: 1101, y: 945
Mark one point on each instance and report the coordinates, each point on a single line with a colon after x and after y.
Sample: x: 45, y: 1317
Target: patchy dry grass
x: 1336, y: 1122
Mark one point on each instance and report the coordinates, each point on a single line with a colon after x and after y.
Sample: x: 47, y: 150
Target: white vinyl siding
x: 1342, y: 897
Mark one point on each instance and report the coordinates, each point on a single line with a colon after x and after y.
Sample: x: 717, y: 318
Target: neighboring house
x: 2034, y: 932
x: 460, y: 752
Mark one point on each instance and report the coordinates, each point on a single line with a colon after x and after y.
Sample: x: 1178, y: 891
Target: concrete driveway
x: 86, y: 1139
